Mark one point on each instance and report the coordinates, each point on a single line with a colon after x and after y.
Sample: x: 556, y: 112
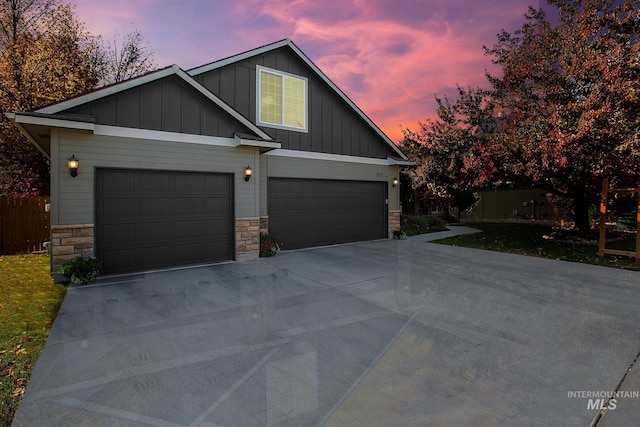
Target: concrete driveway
x: 386, y: 333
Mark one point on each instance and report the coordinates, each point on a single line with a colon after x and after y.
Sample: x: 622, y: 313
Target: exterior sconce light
x: 247, y: 173
x: 73, y: 164
x: 395, y: 182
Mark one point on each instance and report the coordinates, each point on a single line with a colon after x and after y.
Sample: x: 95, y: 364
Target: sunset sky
x: 391, y: 57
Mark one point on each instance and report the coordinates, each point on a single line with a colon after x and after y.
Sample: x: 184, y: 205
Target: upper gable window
x: 282, y: 100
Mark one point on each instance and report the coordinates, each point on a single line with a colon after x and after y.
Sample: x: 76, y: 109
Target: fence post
x: 638, y: 229
x: 603, y: 217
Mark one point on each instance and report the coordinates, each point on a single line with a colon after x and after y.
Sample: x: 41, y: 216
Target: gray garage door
x: 309, y: 212
x: 158, y: 219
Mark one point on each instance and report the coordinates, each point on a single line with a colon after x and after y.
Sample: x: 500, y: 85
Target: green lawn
x: 527, y: 239
x: 29, y: 304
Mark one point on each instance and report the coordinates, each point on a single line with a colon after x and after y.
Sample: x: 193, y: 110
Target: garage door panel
x: 164, y: 219
x: 310, y: 212
x: 153, y: 183
x: 119, y: 207
x: 153, y: 257
x: 116, y: 180
x: 186, y: 184
x: 187, y: 206
x: 214, y: 249
x: 187, y: 253
x: 148, y: 233
x: 118, y: 235
x: 215, y: 227
x: 187, y: 229
x: 124, y: 258
x: 150, y: 207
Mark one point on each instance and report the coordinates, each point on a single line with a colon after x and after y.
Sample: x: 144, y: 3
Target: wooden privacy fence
x: 603, y: 221
x: 24, y: 224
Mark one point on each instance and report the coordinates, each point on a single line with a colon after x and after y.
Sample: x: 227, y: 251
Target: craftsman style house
x: 182, y: 168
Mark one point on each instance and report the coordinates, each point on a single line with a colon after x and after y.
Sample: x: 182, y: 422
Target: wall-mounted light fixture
x: 73, y: 164
x: 247, y: 173
x: 395, y: 182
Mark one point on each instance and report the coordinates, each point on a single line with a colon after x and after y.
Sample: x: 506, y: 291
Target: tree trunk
x: 581, y: 208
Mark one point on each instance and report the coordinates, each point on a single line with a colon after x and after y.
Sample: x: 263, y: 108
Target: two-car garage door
x: 314, y: 212
x: 158, y: 219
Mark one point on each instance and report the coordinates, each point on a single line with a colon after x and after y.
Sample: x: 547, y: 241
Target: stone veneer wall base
x: 247, y: 238
x: 69, y: 242
x: 394, y: 222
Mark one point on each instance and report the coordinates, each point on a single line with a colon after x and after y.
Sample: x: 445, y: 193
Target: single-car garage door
x: 312, y: 212
x: 159, y: 219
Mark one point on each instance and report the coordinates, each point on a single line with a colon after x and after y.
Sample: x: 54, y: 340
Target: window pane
x: 271, y: 98
x: 294, y: 102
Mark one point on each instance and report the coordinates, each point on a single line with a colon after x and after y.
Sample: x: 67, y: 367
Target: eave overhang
x: 244, y: 140
x: 36, y: 127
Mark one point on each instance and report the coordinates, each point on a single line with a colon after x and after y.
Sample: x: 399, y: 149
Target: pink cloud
x: 106, y: 18
x: 391, y: 69
x: 391, y: 57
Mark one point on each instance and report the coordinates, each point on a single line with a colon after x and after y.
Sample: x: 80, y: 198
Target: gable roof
x: 148, y: 78
x: 287, y: 42
x: 58, y: 110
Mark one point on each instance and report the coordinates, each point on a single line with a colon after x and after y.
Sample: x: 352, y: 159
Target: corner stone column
x: 394, y: 221
x: 69, y: 242
x: 247, y: 238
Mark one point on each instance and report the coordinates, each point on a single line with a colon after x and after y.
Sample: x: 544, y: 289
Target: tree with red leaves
x: 565, y: 111
x: 570, y: 94
x: 441, y: 147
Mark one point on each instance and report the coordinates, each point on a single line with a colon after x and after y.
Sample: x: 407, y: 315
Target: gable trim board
x: 41, y: 120
x: 159, y: 158
x: 389, y: 161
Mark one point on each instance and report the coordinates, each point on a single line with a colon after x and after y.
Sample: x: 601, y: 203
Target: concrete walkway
x: 386, y: 333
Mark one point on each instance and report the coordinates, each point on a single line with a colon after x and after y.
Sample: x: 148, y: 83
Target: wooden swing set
x: 603, y: 221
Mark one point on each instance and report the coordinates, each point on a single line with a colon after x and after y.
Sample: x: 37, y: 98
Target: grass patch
x: 29, y: 304
x: 527, y: 239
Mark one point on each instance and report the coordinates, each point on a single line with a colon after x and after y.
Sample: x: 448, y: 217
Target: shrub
x: 413, y: 224
x: 400, y: 235
x: 80, y: 271
x: 269, y: 246
x: 450, y: 219
x: 435, y: 224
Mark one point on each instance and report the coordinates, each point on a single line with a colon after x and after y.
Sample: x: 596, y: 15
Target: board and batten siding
x: 333, y: 126
x: 168, y: 104
x: 73, y: 199
x: 275, y: 166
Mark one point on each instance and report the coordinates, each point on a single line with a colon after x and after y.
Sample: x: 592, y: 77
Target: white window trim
x: 259, y: 70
